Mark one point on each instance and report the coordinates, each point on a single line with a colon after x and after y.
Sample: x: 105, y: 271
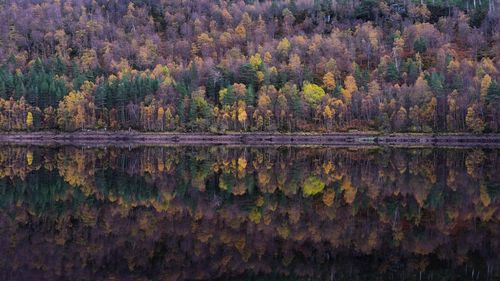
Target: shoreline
x: 247, y: 138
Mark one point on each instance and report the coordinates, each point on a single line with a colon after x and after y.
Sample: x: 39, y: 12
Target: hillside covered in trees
x: 216, y: 66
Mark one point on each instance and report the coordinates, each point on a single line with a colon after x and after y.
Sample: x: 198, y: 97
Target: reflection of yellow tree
x: 329, y: 197
x: 255, y: 216
x: 474, y: 162
x: 313, y: 185
x: 29, y: 157
x: 78, y: 170
x: 349, y: 190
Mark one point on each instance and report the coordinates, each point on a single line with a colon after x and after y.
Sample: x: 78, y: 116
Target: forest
x: 249, y: 65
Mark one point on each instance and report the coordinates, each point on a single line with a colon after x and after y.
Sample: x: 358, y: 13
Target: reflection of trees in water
x: 207, y: 212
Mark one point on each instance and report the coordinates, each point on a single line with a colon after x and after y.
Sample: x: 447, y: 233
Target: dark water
x: 249, y: 213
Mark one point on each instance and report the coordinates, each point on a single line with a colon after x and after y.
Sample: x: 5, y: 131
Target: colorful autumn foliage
x: 353, y: 64
x: 223, y: 210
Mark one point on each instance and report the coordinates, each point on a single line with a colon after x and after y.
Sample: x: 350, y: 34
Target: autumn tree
x: 329, y: 81
x: 76, y: 111
x: 474, y: 120
x: 349, y: 88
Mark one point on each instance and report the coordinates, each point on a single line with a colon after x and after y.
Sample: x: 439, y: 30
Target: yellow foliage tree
x: 242, y: 114
x: 161, y: 118
x: 268, y: 58
x: 328, y: 115
x: 474, y: 120
x: 256, y: 61
x: 313, y: 93
x: 327, y: 112
x: 349, y: 88
x: 283, y: 46
x: 76, y: 110
x: 485, y: 84
x: 88, y: 59
x: 29, y: 120
x: 242, y: 164
x: 329, y: 81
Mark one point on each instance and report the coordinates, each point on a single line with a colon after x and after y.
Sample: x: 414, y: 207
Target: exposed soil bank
x: 138, y: 138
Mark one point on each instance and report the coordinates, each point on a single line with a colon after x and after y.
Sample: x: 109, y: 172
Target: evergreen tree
x: 436, y: 82
x: 412, y: 71
x: 227, y: 96
x: 420, y: 45
x: 247, y: 75
x: 250, y: 96
x: 59, y: 68
x: 361, y: 76
x: 392, y: 74
x: 3, y: 89
x: 20, y: 88
x: 493, y: 93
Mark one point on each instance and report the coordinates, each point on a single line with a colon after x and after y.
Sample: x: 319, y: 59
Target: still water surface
x: 249, y: 213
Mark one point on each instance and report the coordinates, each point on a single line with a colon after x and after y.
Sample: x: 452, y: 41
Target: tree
x: 283, y: 47
x: 161, y: 118
x: 414, y: 118
x: 369, y: 38
x: 200, y: 111
x: 453, y: 117
x: 420, y: 45
x: 241, y: 32
x: 281, y: 111
x: 392, y: 74
x: 250, y: 96
x: 291, y: 93
x: 247, y: 75
x: 421, y: 91
x: 226, y: 96
x: 255, y: 61
x: 329, y: 81
x: 205, y: 44
x: 436, y: 82
x: 169, y: 118
x: 240, y: 90
x: 328, y: 115
x: 313, y: 94
x: 29, y: 120
x: 485, y: 85
x: 76, y: 111
x: 295, y: 66
x: 493, y: 93
x: 429, y: 112
x: 400, y: 118
x: 242, y: 114
x: 397, y: 50
x: 474, y: 120
x: 349, y: 88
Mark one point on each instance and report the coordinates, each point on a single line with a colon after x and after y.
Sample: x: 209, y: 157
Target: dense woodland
x: 202, y: 213
x: 216, y: 66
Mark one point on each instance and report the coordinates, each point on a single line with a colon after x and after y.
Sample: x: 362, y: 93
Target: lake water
x: 249, y: 213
